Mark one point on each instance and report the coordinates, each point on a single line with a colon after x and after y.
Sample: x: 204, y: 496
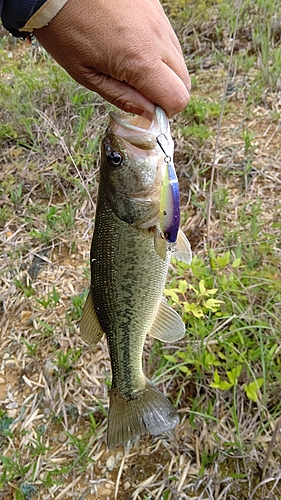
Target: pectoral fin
x: 182, y: 251
x: 90, y: 329
x: 160, y: 244
x: 168, y: 325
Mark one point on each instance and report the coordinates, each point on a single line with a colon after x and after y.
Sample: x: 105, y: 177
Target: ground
x: 224, y: 377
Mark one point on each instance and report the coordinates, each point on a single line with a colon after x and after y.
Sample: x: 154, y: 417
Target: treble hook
x: 167, y: 158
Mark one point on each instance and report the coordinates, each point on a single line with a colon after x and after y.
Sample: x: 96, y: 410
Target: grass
x: 224, y: 377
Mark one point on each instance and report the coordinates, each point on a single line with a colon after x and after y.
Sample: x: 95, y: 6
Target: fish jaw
x: 143, y: 139
x: 141, y: 132
x: 134, y: 189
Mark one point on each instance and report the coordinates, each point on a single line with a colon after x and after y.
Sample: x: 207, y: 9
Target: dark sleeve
x: 15, y: 14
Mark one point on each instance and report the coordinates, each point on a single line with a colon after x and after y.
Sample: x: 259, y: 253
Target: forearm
x: 21, y: 17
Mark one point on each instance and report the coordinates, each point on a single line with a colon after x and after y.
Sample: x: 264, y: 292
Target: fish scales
x: 129, y: 264
x: 126, y: 259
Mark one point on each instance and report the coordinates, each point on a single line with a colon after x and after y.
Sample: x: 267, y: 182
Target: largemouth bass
x: 129, y: 264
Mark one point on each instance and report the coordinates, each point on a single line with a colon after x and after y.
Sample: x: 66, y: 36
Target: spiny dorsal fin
x: 90, y: 329
x: 168, y: 325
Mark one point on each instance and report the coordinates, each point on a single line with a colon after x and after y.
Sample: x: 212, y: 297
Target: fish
x: 129, y: 264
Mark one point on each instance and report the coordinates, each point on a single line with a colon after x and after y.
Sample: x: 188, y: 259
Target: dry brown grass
x: 50, y: 381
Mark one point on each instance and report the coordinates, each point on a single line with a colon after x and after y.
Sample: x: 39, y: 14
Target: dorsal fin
x: 90, y: 329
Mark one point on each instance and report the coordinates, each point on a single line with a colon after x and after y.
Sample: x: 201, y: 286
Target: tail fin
x: 149, y: 412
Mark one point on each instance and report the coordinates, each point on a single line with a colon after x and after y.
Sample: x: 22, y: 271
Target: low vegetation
x: 225, y: 376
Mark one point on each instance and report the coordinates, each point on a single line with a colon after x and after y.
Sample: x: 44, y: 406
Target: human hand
x: 124, y: 50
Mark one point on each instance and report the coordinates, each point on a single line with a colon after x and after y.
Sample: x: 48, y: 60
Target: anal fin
x: 168, y: 325
x: 90, y: 329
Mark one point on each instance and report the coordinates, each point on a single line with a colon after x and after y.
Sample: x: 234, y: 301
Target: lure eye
x: 115, y: 159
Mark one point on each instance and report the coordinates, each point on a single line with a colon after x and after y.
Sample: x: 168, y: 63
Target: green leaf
x: 272, y: 351
x: 260, y: 381
x: 191, y: 287
x: 7, y: 462
x: 236, y: 262
x: 172, y: 294
x: 182, y: 354
x: 214, y: 385
x: 193, y: 309
x: 224, y: 282
x: 170, y: 358
x: 253, y: 388
x: 184, y: 369
x: 221, y: 355
x: 212, y: 291
x: 209, y: 359
x: 234, y: 374
x: 217, y: 378
x: 202, y: 288
x: 224, y: 385
x: 213, y: 304
x: 185, y: 357
x: 182, y: 286
x: 223, y: 260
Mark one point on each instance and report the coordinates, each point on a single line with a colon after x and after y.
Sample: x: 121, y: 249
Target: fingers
x: 165, y: 84
x: 121, y: 94
x: 174, y: 95
x: 126, y: 52
x: 131, y: 100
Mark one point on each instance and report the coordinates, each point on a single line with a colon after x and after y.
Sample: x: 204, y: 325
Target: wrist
x: 44, y: 15
x: 21, y: 18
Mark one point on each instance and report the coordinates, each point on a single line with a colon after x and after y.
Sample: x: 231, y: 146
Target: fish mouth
x: 144, y: 140
x: 142, y: 133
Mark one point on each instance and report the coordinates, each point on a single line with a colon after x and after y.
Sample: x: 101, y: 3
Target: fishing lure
x: 169, y: 200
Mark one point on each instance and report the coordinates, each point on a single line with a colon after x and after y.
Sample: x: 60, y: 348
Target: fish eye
x: 115, y: 159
